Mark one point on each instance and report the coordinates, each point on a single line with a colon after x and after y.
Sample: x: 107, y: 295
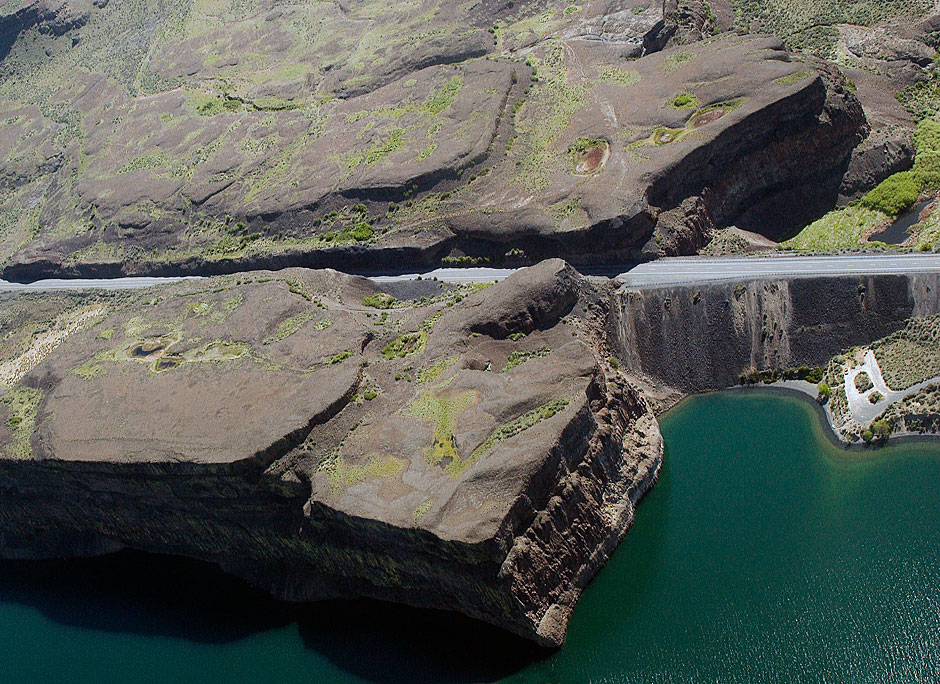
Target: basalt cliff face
x: 471, y: 451
x: 703, y: 337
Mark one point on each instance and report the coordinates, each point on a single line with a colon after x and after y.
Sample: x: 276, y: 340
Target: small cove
x: 898, y: 231
x: 765, y: 554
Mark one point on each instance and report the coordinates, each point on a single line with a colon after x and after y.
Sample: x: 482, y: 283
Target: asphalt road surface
x: 690, y: 270
x: 663, y: 272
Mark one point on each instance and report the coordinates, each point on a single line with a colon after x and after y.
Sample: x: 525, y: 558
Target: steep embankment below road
x: 703, y: 337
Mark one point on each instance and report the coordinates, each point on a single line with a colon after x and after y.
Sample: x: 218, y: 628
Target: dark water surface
x: 765, y: 554
x: 899, y: 231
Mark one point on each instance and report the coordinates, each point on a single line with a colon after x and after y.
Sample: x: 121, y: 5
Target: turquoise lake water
x: 764, y: 554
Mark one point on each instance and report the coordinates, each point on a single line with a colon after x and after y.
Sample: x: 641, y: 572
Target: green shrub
x: 369, y: 395
x: 863, y: 382
x: 894, y: 194
x: 875, y: 397
x: 379, y: 300
x: 684, y: 101
x: 340, y: 357
x: 824, y: 390
x: 361, y: 232
x: 881, y: 428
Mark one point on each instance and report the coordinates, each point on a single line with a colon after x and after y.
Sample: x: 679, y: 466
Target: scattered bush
x: 379, y: 300
x: 684, y: 101
x: 863, y: 383
x: 875, y: 397
x: 340, y: 357
x: 881, y: 429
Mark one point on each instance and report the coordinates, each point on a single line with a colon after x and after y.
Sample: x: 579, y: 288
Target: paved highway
x: 683, y: 270
x: 672, y: 271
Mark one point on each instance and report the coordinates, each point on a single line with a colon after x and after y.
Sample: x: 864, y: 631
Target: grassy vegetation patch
x: 379, y: 300
x: 445, y: 97
x: 408, y: 344
x: 895, y: 194
x: 519, y: 357
x: 511, y: 429
x: 88, y: 369
x: 543, y: 118
x: 340, y: 357
x: 621, y: 77
x: 917, y: 412
x: 288, y: 327
x: 677, y: 60
x: 684, y: 101
x: 211, y: 104
x: 443, y: 410
x: 564, y: 208
x: 436, y: 369
x: 795, y: 77
x: 811, y: 374
x: 341, y: 475
x: 298, y: 287
x: 810, y: 26
x: 422, y: 509
x: 394, y: 142
x: 22, y: 405
x: 838, y: 229
x: 847, y: 227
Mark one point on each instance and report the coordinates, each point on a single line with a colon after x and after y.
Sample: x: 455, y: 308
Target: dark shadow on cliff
x: 151, y: 595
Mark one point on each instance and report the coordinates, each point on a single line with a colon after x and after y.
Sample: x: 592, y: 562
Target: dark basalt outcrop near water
x: 703, y: 337
x: 153, y: 138
x: 475, y: 452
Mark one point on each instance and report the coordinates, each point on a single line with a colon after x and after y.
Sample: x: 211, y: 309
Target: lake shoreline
x: 822, y: 414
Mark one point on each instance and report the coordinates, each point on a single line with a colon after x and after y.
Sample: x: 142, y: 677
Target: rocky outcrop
x: 703, y: 337
x: 307, y: 432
